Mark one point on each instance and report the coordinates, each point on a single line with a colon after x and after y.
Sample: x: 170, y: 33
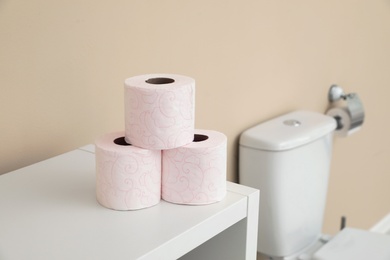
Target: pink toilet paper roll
x: 127, y: 177
x: 196, y: 173
x: 159, y: 110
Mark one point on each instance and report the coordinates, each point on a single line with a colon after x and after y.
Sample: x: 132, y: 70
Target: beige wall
x: 63, y: 63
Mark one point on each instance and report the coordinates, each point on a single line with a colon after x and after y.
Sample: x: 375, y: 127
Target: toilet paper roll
x: 127, y: 177
x: 196, y: 173
x: 159, y: 110
x: 346, y: 125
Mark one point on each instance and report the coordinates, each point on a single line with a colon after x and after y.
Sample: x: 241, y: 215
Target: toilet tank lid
x: 288, y: 131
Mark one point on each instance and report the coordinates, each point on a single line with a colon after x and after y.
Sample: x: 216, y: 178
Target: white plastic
x: 288, y: 131
x: 293, y: 182
x: 355, y: 244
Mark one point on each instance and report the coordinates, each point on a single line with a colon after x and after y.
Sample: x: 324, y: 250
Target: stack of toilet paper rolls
x: 160, y: 154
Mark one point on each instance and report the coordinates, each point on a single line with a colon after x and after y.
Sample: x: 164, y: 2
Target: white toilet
x: 288, y: 160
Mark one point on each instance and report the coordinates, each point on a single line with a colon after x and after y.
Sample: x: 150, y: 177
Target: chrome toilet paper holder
x: 354, y: 105
x: 336, y: 93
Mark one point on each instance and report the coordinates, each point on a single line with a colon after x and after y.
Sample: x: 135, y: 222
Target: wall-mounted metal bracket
x: 354, y: 106
x: 336, y: 93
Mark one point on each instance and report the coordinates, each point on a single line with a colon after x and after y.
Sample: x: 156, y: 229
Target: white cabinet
x: 48, y: 210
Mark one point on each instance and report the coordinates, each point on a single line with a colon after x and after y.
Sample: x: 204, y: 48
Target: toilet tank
x: 288, y: 160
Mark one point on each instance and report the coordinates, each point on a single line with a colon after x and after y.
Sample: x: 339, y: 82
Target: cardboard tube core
x: 121, y: 141
x: 160, y: 81
x: 200, y: 138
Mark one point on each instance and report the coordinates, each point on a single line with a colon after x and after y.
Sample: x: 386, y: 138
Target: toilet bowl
x: 288, y: 159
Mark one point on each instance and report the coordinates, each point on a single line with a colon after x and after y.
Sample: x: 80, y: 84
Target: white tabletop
x: 49, y: 211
